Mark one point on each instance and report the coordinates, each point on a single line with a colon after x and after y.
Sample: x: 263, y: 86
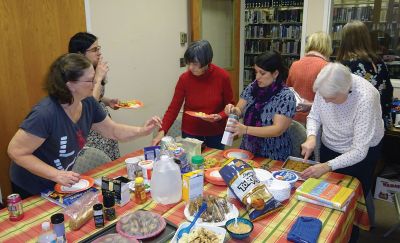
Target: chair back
x: 298, y: 135
x: 89, y: 158
x: 176, y: 128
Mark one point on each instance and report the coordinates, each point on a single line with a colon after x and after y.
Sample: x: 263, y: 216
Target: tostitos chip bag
x: 242, y: 180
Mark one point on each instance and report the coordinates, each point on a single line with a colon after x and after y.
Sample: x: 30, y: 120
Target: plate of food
x: 85, y: 182
x: 141, y: 225
x: 214, y: 177
x: 218, y: 211
x: 238, y: 154
x: 197, y: 114
x: 115, y: 238
x: 297, y: 165
x: 130, y: 104
x: 200, y: 231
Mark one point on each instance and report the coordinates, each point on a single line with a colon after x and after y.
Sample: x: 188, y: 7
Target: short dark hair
x: 271, y: 61
x: 199, y: 51
x: 68, y: 67
x: 80, y: 42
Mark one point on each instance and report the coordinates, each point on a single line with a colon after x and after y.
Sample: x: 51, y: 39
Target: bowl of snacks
x: 239, y: 228
x: 285, y: 175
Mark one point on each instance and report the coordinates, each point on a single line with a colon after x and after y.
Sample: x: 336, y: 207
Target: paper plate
x: 84, y: 183
x: 141, y: 219
x: 234, y: 213
x: 130, y: 104
x: 197, y: 114
x: 238, y: 154
x: 221, y: 232
x: 214, y: 177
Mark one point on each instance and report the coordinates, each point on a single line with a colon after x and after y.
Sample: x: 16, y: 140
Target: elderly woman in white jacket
x: 349, y: 111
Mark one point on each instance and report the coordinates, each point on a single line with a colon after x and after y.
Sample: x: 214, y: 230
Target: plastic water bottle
x: 47, y: 236
x: 166, y: 181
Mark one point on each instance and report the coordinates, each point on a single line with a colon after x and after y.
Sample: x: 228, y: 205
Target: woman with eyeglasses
x: 88, y: 45
x: 267, y: 107
x: 45, y: 147
x: 205, y: 88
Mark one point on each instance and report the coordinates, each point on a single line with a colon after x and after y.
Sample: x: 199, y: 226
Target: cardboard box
x: 385, y: 189
x: 192, y: 185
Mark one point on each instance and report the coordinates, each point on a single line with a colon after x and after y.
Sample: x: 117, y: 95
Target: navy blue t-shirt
x: 64, y: 139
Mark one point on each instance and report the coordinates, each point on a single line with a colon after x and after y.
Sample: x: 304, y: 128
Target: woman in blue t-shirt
x: 45, y: 146
x: 267, y: 107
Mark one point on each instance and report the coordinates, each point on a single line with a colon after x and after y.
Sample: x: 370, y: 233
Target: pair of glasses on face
x: 94, y: 49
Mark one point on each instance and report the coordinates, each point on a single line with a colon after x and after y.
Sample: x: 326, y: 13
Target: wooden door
x: 33, y: 34
x: 196, y: 29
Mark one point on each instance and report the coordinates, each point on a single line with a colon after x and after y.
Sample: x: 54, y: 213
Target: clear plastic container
x: 166, y: 181
x: 197, y: 162
x: 48, y: 235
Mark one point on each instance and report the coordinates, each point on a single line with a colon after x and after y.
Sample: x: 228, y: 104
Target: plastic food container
x: 285, y: 175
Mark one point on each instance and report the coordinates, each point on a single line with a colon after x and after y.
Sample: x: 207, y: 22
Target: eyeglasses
x: 94, y: 49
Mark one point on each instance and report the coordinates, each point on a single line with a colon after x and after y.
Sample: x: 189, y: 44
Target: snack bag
x: 241, y: 179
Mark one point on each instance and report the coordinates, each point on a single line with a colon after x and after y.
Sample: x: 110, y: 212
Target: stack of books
x: 320, y: 192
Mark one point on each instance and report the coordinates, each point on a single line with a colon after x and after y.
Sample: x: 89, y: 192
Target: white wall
x: 140, y: 40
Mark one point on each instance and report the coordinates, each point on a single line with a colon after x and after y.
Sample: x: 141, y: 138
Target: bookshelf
x: 271, y: 25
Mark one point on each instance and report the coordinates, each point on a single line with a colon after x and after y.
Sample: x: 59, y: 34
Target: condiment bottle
x: 57, y: 220
x: 227, y: 138
x: 140, y: 191
x: 197, y: 162
x: 98, y: 216
x: 109, y: 202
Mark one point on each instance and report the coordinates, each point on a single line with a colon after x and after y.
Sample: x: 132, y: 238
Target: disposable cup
x: 132, y: 165
x: 147, y: 168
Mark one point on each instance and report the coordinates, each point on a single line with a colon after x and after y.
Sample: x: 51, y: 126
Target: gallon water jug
x: 166, y: 181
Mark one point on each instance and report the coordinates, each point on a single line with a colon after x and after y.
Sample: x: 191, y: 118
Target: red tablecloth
x: 336, y: 225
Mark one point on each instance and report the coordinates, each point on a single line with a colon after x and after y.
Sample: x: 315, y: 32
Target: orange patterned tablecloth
x: 336, y: 225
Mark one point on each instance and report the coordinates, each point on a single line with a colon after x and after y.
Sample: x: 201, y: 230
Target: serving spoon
x: 187, y: 229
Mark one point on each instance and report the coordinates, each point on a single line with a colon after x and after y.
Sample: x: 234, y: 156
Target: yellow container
x: 192, y: 185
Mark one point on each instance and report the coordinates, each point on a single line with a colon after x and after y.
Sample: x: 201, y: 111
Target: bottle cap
x: 98, y: 206
x: 197, y: 159
x: 46, y: 225
x: 57, y: 218
x: 108, y: 199
x: 139, y: 180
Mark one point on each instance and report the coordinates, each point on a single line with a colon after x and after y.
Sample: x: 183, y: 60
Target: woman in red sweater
x: 204, y: 87
x: 303, y: 72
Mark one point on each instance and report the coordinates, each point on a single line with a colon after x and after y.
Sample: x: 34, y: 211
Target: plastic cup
x: 132, y: 165
x: 147, y: 168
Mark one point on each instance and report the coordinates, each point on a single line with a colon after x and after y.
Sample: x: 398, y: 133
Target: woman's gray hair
x: 333, y: 79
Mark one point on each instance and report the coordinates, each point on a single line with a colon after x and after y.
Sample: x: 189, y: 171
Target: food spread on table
x: 217, y: 208
x: 140, y: 224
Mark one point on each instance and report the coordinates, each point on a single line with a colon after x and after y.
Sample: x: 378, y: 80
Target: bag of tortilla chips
x: 242, y: 180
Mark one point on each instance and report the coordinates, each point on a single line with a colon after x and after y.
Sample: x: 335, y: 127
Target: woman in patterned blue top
x: 268, y: 107
x: 356, y: 53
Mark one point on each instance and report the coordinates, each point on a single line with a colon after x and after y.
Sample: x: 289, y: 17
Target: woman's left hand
x: 315, y: 171
x: 113, y: 102
x: 152, y: 123
x: 236, y: 128
x: 212, y: 118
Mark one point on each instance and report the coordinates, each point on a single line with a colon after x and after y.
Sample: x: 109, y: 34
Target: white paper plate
x: 234, y: 213
x: 221, y: 232
x: 80, y: 185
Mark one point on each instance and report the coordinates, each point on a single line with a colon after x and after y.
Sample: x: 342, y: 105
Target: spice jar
x: 98, y: 215
x: 140, y: 191
x: 109, y: 202
x: 57, y: 220
x: 197, y: 162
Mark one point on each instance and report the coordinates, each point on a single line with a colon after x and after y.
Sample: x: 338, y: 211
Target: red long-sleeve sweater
x: 208, y: 93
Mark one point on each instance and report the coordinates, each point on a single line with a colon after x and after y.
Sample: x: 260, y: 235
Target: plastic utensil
x: 187, y: 229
